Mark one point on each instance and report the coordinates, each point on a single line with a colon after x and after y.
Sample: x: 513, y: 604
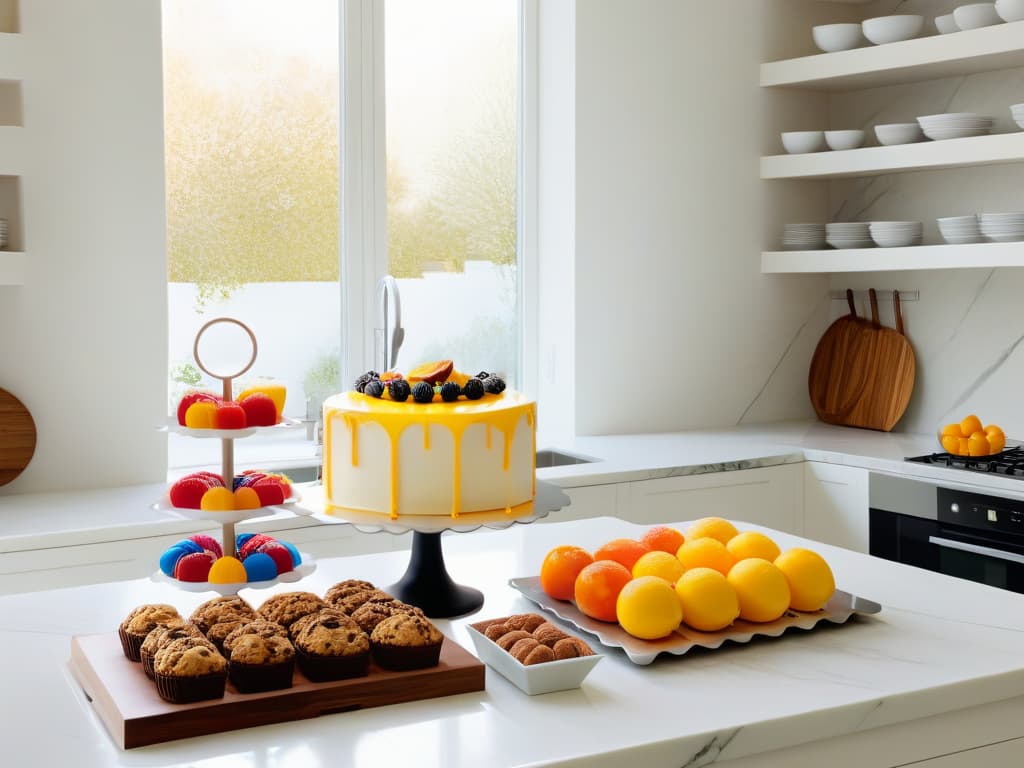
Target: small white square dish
x: 550, y: 676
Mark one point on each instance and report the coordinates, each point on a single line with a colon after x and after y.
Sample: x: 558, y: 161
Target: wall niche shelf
x: 874, y: 161
x: 918, y: 257
x: 925, y: 58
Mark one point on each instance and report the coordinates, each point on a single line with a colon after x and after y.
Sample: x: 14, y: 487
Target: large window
x: 253, y: 130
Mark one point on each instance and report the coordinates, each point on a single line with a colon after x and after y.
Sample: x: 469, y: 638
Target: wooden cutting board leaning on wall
x: 864, y: 376
x: 17, y: 437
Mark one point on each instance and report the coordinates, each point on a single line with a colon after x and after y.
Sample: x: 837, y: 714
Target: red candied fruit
x: 253, y: 543
x: 230, y: 416
x: 208, y: 543
x: 280, y: 555
x: 269, y: 493
x: 187, y: 493
x: 260, y: 410
x: 193, y: 567
x: 193, y: 397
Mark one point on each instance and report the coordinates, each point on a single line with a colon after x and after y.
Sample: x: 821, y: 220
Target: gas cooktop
x: 1009, y: 462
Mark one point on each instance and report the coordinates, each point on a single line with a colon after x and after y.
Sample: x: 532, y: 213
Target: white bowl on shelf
x: 892, y: 29
x: 1017, y: 111
x: 960, y: 230
x: 837, y: 37
x: 802, y: 142
x: 840, y: 140
x: 896, y: 234
x: 1002, y: 227
x: 955, y: 125
x: 946, y: 24
x: 1010, y: 10
x: 890, y: 134
x: 976, y: 16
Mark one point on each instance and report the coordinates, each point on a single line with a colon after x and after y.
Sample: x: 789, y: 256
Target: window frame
x: 362, y: 179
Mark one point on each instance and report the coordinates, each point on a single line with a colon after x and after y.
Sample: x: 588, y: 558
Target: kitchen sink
x: 554, y: 458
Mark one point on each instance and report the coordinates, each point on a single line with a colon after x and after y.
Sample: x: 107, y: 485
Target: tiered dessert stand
x: 426, y: 582
x: 229, y: 518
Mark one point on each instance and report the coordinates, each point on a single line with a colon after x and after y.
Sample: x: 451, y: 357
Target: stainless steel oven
x: 948, y: 528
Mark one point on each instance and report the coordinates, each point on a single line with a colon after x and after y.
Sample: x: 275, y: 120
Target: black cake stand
x: 426, y: 582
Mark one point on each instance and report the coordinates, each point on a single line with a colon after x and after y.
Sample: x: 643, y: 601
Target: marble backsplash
x: 967, y: 326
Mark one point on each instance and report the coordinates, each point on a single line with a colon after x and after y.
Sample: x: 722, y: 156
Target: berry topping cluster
x: 429, y: 381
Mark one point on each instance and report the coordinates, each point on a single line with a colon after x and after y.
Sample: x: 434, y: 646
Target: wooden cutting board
x: 128, y: 704
x: 890, y: 370
x: 17, y: 437
x: 839, y: 370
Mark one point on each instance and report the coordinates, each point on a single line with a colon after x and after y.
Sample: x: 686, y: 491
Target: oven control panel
x: 988, y: 513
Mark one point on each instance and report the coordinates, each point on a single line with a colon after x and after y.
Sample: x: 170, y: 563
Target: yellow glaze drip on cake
x: 504, y: 414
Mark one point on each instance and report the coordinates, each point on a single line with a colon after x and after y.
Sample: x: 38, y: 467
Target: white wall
x: 84, y: 342
x: 675, y: 326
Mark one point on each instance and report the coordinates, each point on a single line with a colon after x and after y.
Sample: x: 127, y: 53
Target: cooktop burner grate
x: 1009, y: 462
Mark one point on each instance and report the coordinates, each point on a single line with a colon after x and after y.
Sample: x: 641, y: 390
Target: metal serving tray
x: 840, y: 607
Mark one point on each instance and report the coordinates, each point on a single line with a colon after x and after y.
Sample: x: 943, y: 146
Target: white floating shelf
x: 873, y: 161
x: 11, y: 56
x: 13, y: 268
x: 976, y: 256
x: 926, y: 58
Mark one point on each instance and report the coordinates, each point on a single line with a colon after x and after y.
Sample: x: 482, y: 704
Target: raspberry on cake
x: 448, y: 450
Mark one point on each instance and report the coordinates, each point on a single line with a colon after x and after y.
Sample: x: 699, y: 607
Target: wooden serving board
x: 17, y: 437
x: 127, y: 702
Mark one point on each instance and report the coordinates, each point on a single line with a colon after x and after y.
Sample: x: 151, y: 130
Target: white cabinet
x: 588, y: 501
x: 768, y: 496
x: 1005, y: 753
x: 836, y: 505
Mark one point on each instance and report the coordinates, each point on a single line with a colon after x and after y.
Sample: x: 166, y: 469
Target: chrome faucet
x: 388, y: 332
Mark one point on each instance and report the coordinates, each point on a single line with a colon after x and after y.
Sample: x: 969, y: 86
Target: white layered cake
x: 430, y: 458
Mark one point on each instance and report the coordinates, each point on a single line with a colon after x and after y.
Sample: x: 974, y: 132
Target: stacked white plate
x: 955, y: 125
x: 1002, y: 227
x: 1017, y: 110
x: 960, y: 229
x: 3, y: 233
x: 849, y: 234
x: 895, y: 234
x: 803, y: 237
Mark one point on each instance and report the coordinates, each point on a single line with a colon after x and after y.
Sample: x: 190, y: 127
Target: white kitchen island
x: 937, y: 676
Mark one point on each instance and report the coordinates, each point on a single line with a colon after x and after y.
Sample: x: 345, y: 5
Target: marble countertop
x: 905, y: 663
x: 32, y: 521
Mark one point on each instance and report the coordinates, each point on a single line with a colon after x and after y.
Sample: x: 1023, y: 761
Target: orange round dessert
x: 560, y: 568
x: 706, y: 552
x: 597, y: 588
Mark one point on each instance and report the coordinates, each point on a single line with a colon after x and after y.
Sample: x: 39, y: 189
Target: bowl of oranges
x: 969, y: 438
x: 670, y: 590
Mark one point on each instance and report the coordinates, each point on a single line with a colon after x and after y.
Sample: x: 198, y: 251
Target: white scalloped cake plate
x: 227, y: 516
x: 172, y: 425
x: 305, y: 568
x: 840, y: 607
x: 549, y: 498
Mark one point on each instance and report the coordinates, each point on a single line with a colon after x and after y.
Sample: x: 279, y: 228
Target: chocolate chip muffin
x: 369, y: 615
x: 406, y: 641
x: 346, y: 588
x: 140, y: 622
x: 351, y: 602
x: 300, y: 624
x: 189, y: 669
x: 219, y: 609
x: 289, y: 606
x: 219, y: 631
x: 160, y: 637
x: 261, y: 663
x: 332, y: 647
x: 260, y: 627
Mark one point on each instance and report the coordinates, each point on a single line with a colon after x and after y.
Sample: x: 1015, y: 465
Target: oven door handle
x: 1013, y: 557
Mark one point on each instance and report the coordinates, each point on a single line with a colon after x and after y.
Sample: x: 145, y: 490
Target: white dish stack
x: 1002, y: 227
x: 803, y: 237
x: 849, y: 234
x: 896, y: 234
x: 955, y: 125
x: 3, y: 233
x: 1017, y: 110
x: 960, y: 230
